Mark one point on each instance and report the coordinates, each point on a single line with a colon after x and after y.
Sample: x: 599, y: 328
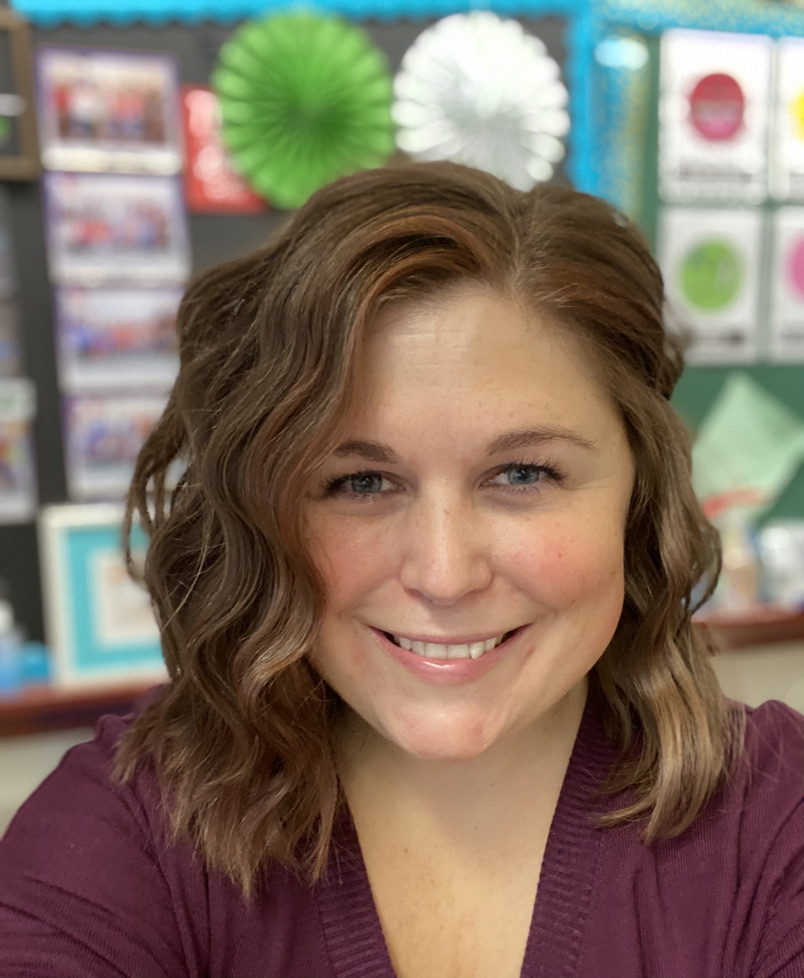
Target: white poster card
x: 711, y: 264
x: 714, y: 97
x: 109, y: 227
x: 108, y: 110
x: 786, y: 342
x: 116, y: 338
x: 103, y: 436
x: 787, y: 143
x: 17, y: 471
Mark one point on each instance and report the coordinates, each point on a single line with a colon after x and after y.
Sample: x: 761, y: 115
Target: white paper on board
x: 714, y: 96
x: 786, y: 323
x: 710, y: 258
x: 787, y: 127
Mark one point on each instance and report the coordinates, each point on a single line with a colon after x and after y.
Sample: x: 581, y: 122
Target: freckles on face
x: 478, y: 498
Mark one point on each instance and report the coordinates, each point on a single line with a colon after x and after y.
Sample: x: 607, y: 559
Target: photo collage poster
x: 18, y: 492
x: 731, y: 185
x: 118, y: 250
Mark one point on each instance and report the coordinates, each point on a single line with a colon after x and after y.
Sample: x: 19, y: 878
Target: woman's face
x: 469, y: 527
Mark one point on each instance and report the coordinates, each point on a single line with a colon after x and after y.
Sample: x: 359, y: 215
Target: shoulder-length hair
x: 241, y: 737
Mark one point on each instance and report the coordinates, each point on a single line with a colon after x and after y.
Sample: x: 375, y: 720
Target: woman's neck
x: 513, y: 784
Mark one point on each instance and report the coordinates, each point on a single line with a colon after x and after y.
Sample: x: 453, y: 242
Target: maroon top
x: 88, y: 887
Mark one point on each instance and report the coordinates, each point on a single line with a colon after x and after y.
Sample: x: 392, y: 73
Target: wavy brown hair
x: 241, y: 736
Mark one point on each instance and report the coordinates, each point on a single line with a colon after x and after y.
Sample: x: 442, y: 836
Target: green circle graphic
x: 304, y: 99
x: 711, y: 274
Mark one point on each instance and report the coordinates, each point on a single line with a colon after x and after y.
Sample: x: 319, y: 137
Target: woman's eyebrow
x: 373, y: 451
x: 533, y: 437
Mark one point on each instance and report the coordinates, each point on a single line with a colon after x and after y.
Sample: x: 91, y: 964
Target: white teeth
x: 432, y: 650
x: 458, y: 651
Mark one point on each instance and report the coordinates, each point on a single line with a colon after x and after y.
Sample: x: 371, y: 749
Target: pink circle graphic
x: 717, y: 107
x: 795, y: 266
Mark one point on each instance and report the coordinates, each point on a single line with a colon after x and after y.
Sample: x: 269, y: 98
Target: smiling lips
x: 434, y: 650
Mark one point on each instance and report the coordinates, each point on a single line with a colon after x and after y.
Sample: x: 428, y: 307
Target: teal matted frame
x: 85, y: 586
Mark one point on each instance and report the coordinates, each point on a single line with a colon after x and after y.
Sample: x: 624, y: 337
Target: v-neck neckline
x: 351, y: 924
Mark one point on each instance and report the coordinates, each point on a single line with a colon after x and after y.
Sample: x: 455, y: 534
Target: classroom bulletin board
x: 622, y: 63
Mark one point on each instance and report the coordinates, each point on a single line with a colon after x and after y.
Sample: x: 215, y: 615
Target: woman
x: 436, y: 705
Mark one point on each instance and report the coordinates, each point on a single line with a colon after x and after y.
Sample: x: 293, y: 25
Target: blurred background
x: 143, y: 142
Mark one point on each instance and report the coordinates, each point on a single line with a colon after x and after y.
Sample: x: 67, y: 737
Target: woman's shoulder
x: 771, y: 769
x: 83, y: 783
x: 83, y: 847
x: 773, y: 725
x: 726, y: 896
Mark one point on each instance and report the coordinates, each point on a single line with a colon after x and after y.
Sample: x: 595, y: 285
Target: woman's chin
x: 450, y: 741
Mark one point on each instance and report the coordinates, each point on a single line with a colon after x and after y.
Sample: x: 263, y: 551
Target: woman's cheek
x: 566, y: 567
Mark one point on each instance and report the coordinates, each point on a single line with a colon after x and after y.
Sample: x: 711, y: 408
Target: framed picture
x: 99, y: 623
x: 103, y: 436
x: 116, y: 337
x: 19, y: 152
x: 108, y: 110
x: 105, y: 228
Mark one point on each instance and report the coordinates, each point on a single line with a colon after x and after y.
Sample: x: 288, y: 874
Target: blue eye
x: 520, y: 475
x: 364, y: 483
x: 360, y: 484
x: 524, y: 475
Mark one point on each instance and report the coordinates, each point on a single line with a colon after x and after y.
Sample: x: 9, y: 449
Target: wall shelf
x: 40, y: 708
x: 763, y: 625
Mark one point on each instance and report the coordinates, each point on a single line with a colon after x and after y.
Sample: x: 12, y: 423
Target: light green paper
x: 749, y: 440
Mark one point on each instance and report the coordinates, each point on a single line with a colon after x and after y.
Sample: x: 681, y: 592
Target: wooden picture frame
x: 19, y: 160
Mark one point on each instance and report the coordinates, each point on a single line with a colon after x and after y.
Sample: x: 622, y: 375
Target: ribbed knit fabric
x: 87, y: 887
x: 570, y: 860
x: 349, y: 917
x: 352, y: 926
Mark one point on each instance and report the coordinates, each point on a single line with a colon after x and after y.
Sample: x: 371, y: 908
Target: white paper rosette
x: 477, y: 89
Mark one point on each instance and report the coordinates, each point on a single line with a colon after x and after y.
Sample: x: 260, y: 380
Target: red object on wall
x: 717, y: 107
x: 210, y: 183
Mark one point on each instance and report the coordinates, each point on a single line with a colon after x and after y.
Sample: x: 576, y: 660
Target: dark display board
x: 214, y: 238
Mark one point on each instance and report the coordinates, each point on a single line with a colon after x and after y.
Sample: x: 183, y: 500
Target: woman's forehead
x: 466, y: 326
x: 470, y: 361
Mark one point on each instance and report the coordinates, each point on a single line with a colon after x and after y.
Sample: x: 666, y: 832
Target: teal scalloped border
x: 758, y: 16
x: 51, y: 12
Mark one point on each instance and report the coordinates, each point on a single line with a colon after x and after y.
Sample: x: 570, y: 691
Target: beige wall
x: 764, y: 672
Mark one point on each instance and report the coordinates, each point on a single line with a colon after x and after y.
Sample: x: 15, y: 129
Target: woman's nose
x: 446, y: 555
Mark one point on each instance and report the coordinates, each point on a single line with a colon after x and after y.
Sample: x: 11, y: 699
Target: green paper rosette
x: 304, y: 99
